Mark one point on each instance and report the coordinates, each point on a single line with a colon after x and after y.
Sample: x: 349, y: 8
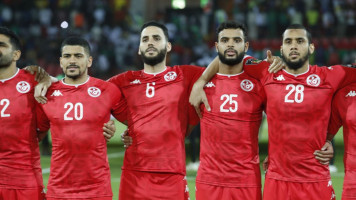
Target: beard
x: 74, y: 76
x: 5, y: 61
x: 152, y: 61
x: 295, y: 64
x: 231, y: 61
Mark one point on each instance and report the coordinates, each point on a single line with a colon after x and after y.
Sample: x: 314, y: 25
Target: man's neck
x: 301, y: 70
x: 8, y: 72
x: 160, y: 67
x: 227, y: 69
x: 76, y: 81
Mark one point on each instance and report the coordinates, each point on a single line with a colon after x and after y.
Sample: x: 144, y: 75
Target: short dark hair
x: 232, y: 25
x: 299, y: 26
x: 76, y: 40
x: 14, y: 39
x: 156, y: 24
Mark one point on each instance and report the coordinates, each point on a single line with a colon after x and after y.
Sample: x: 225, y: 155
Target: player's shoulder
x: 250, y: 60
x: 124, y: 77
x: 25, y: 76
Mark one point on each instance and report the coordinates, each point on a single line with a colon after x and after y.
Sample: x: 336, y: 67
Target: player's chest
x: 234, y: 97
x: 77, y: 105
x: 155, y: 93
x: 291, y: 94
x: 16, y: 99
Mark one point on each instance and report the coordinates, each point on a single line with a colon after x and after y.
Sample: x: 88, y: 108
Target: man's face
x: 74, y: 61
x: 6, y: 52
x: 295, y: 49
x: 153, y: 45
x: 231, y: 46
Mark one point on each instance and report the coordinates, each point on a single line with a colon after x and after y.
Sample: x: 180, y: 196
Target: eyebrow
x: 76, y: 54
x: 224, y: 37
x: 3, y: 43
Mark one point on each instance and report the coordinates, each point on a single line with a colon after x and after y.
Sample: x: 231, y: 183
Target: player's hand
x: 265, y: 164
x: 325, y: 154
x: 276, y: 63
x: 126, y: 139
x: 42, y: 87
x: 109, y: 130
x: 198, y: 96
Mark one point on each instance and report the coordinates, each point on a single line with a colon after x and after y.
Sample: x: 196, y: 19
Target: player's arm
x: 326, y: 153
x: 109, y: 130
x: 41, y: 135
x: 44, y: 82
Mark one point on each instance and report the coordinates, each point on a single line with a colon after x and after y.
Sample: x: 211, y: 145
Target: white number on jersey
x: 77, y: 111
x: 150, y: 90
x: 229, y: 99
x: 5, y: 103
x: 298, y: 93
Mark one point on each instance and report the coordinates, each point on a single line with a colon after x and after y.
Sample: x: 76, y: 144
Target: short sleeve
x: 119, y: 105
x: 335, y: 119
x: 42, y: 121
x: 256, y: 68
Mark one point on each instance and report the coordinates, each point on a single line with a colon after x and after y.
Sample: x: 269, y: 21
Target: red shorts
x: 145, y: 185
x: 286, y: 190
x: 98, y: 198
x: 348, y: 193
x: 22, y: 194
x: 212, y: 192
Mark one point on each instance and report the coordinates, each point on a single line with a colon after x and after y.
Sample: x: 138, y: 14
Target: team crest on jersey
x: 94, y: 91
x: 252, y: 61
x: 170, y: 76
x: 313, y: 80
x: 246, y: 85
x: 23, y: 87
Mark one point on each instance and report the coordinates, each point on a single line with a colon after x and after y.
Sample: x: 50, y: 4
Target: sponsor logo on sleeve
x: 252, y: 61
x: 246, y: 85
x: 351, y: 94
x: 94, y: 91
x: 23, y: 87
x: 170, y: 76
x: 313, y: 80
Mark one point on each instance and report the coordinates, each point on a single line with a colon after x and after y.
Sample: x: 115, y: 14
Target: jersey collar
x: 3, y: 80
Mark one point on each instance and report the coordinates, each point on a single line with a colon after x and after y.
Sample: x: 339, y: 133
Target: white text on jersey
x: 210, y: 84
x: 280, y: 78
x: 136, y: 82
x: 351, y: 94
x: 57, y: 93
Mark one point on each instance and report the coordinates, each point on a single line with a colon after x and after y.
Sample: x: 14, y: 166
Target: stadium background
x: 112, y: 27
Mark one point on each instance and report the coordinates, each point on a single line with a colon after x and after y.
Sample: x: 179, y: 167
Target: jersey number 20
x: 74, y: 111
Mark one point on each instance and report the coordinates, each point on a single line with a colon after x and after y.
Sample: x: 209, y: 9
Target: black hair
x: 76, y: 40
x: 232, y: 25
x: 156, y: 24
x: 14, y: 39
x: 299, y: 26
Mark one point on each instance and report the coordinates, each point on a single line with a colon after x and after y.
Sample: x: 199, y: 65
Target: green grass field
x: 116, y: 155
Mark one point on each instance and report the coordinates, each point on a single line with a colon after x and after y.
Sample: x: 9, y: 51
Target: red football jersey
x: 158, y: 117
x: 229, y: 132
x: 344, y: 114
x: 19, y: 153
x: 298, y: 112
x: 76, y: 114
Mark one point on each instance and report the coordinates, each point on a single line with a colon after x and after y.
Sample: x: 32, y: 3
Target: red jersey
x: 298, y: 112
x: 229, y: 132
x: 344, y: 114
x: 158, y: 117
x: 19, y: 153
x: 76, y: 114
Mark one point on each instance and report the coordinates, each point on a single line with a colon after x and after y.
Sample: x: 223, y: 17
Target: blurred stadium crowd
x: 113, y: 29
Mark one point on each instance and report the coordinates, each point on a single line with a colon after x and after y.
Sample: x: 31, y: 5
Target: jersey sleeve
x: 335, y: 119
x: 191, y: 74
x: 42, y: 121
x: 255, y: 68
x: 119, y: 107
x: 343, y: 76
